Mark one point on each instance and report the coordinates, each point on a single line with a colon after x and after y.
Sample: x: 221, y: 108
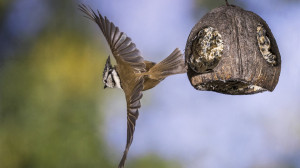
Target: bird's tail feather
x: 173, y: 64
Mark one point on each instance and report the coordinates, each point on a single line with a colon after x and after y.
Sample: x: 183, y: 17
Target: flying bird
x: 132, y: 73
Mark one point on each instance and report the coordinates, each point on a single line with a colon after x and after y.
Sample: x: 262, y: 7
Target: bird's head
x: 110, y: 76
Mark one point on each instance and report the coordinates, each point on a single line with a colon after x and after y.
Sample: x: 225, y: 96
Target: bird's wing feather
x: 133, y: 104
x: 123, y: 49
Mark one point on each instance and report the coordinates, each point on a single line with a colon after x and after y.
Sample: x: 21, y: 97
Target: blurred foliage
x: 152, y: 161
x: 4, y: 6
x: 204, y: 6
x: 211, y: 4
x: 50, y: 99
x: 49, y: 104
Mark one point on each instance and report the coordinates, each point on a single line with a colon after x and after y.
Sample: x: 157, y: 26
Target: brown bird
x: 132, y: 73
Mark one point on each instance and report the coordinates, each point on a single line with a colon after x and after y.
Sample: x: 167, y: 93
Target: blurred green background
x: 50, y: 96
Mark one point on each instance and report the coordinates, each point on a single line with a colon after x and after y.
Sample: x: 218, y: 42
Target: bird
x: 131, y: 73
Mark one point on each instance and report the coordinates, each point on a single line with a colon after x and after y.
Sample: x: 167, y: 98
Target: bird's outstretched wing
x: 133, y: 104
x: 120, y: 44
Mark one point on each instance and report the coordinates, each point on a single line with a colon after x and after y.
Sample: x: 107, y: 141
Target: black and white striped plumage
x: 132, y: 73
x: 111, y: 78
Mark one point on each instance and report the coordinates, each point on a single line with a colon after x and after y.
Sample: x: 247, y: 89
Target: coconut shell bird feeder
x: 232, y: 51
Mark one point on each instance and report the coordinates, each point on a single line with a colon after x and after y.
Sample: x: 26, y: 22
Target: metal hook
x: 227, y: 2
